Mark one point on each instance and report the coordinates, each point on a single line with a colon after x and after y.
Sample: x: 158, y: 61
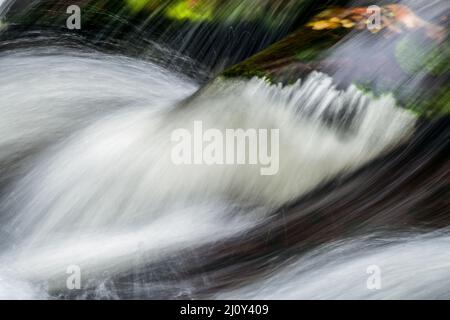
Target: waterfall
x: 355, y: 208
x: 95, y: 184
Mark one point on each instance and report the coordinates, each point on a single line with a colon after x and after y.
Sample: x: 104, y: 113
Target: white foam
x: 92, y: 199
x: 413, y: 268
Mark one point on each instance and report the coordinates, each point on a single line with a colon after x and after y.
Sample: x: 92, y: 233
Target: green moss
x: 183, y: 10
x: 136, y: 5
x: 442, y: 101
x: 303, y: 46
x: 433, y: 105
x: 3, y: 25
x: 308, y: 54
x: 426, y: 103
x: 244, y: 70
x: 414, y: 56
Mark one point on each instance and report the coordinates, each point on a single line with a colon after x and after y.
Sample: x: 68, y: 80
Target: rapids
x: 87, y: 181
x: 88, y: 153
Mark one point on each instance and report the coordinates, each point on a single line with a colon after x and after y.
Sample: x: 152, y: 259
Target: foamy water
x: 86, y: 139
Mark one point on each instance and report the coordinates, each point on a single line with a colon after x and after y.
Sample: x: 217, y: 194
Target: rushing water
x: 86, y: 179
x: 415, y: 267
x: 94, y: 181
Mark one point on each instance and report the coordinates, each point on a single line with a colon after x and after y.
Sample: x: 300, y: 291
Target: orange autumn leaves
x: 394, y: 18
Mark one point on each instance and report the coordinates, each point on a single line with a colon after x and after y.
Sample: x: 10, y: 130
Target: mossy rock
x: 412, y: 64
x: 430, y: 57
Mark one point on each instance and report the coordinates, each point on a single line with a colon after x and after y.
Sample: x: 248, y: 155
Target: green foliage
x: 136, y: 5
x: 183, y: 10
x: 414, y: 56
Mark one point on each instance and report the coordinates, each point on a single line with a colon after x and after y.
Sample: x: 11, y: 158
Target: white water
x: 416, y: 267
x: 106, y: 190
x: 44, y: 96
